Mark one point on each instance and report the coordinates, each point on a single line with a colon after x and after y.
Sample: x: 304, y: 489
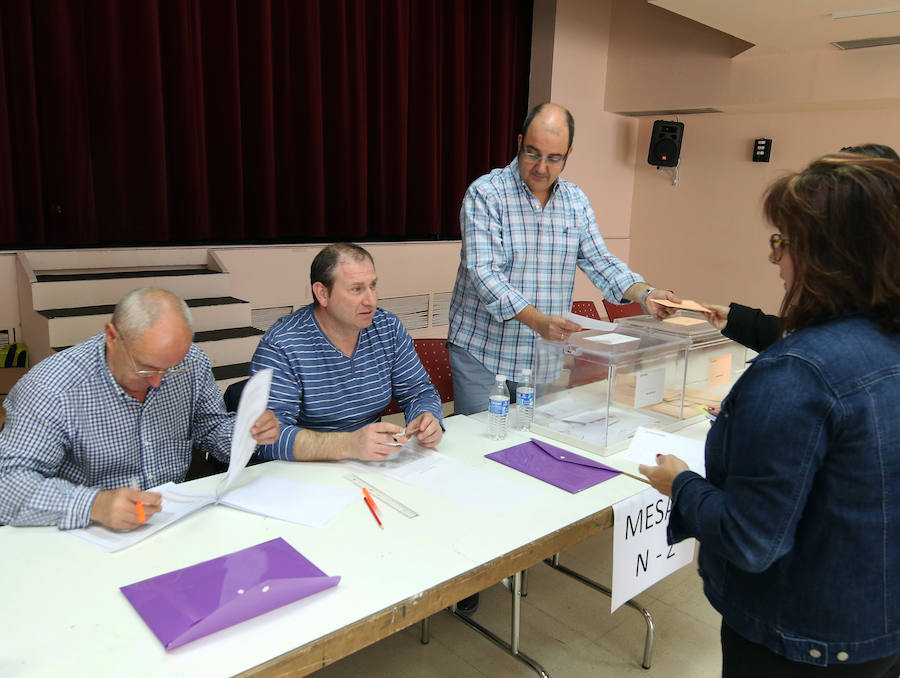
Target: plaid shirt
x: 515, y: 253
x: 72, y: 431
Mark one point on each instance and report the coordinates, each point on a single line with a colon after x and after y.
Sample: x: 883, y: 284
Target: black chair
x: 233, y: 394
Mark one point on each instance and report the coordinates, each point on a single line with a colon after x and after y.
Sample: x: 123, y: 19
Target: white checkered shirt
x: 515, y: 253
x: 72, y: 431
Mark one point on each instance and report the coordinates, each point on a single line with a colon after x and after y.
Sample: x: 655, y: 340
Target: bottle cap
x: 526, y: 372
x: 500, y: 377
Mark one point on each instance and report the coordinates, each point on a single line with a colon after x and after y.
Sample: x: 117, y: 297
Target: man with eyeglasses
x: 524, y: 231
x: 88, y: 428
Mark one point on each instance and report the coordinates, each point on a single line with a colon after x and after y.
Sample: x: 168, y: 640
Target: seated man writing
x: 89, y: 427
x: 337, y: 362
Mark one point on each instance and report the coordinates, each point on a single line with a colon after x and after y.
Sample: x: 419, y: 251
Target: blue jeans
x: 472, y: 382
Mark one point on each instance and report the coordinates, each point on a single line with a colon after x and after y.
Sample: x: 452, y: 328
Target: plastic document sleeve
x: 195, y: 601
x: 566, y: 470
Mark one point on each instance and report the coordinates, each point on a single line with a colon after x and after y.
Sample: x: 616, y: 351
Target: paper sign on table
x: 641, y: 556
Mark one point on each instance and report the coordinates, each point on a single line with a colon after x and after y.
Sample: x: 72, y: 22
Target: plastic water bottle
x: 498, y: 409
x: 525, y: 401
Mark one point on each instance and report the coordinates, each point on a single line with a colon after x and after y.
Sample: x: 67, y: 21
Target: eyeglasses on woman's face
x: 777, y: 243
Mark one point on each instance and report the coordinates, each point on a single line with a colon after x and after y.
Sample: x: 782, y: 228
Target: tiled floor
x: 565, y: 626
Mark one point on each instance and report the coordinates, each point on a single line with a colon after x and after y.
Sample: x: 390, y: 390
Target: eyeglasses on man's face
x: 554, y: 160
x: 777, y: 243
x: 147, y: 374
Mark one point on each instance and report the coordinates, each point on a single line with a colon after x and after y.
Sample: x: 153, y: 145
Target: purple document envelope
x: 554, y: 465
x: 195, y: 601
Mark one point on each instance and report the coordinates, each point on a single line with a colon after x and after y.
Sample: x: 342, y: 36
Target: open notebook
x: 288, y: 500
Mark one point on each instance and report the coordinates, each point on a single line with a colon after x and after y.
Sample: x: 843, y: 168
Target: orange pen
x: 372, y: 507
x: 142, y: 515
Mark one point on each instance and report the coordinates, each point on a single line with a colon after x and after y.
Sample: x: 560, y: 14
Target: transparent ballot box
x: 714, y: 362
x: 599, y: 386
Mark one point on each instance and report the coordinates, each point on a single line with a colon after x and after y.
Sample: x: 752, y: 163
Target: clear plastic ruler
x: 386, y: 499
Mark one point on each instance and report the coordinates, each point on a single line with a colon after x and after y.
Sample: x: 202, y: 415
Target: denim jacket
x: 799, y: 517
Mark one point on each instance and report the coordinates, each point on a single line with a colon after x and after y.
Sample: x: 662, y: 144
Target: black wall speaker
x: 665, y: 143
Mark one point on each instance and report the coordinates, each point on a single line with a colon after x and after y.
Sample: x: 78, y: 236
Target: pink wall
x: 602, y: 163
x: 706, y: 238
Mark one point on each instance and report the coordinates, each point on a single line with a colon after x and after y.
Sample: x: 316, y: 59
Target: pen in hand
x: 401, y: 434
x: 372, y: 507
x: 139, y: 505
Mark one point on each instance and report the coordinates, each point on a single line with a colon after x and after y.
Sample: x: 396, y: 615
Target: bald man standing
x: 89, y: 427
x: 524, y: 231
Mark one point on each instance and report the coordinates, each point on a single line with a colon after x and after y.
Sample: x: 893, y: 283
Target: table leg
x: 648, y: 639
x: 513, y: 646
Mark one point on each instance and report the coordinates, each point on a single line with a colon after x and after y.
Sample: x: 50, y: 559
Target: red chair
x: 435, y: 359
x: 622, y: 311
x: 586, y: 308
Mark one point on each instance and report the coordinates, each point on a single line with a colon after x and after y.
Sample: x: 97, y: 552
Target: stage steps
x: 65, y: 298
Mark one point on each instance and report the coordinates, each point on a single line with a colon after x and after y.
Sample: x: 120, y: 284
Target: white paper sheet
x: 612, y: 338
x: 649, y: 387
x: 176, y: 503
x: 562, y: 408
x: 254, y: 399
x: 449, y: 478
x: 290, y: 500
x: 589, y: 323
x: 647, y: 443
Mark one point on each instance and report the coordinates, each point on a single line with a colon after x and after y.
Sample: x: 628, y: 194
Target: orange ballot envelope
x: 686, y: 304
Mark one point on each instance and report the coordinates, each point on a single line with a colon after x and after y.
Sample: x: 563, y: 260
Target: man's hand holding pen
x: 117, y: 509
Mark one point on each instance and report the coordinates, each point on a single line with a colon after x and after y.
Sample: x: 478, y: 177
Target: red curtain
x: 188, y: 121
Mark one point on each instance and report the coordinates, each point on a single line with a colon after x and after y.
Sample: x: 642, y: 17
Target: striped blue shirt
x: 71, y: 431
x: 515, y: 253
x: 316, y: 386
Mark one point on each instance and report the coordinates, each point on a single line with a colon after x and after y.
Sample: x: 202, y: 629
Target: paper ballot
x: 254, y: 399
x: 288, y: 500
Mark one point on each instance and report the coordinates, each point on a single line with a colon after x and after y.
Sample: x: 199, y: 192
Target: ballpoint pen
x: 400, y: 434
x: 371, y: 504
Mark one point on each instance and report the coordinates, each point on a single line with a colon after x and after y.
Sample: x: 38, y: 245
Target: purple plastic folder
x: 566, y: 470
x: 193, y: 602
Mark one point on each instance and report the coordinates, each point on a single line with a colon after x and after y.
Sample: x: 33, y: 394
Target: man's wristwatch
x: 644, y: 299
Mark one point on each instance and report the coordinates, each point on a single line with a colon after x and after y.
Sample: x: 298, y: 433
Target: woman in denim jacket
x: 799, y: 516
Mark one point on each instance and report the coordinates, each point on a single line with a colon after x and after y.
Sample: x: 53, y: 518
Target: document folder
x: 195, y: 601
x: 566, y: 470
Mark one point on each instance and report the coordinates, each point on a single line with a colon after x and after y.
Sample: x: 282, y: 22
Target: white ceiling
x: 775, y: 26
